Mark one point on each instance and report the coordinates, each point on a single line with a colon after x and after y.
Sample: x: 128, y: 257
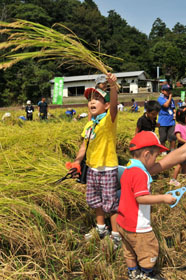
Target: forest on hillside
x: 111, y: 35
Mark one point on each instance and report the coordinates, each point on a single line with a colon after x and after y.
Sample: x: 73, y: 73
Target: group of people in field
x: 42, y: 109
x: 171, y: 124
x: 130, y: 212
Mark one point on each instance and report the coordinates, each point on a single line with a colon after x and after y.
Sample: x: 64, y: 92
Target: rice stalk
x: 49, y: 43
x: 24, y: 226
x: 22, y: 267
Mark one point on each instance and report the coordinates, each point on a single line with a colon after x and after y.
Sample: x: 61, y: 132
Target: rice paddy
x: 42, y: 225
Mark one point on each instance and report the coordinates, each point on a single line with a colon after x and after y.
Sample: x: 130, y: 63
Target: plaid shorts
x: 102, y: 189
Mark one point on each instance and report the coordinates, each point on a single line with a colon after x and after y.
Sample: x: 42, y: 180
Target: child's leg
x: 147, y: 251
x: 115, y: 233
x: 172, y: 145
x: 174, y: 181
x: 131, y: 263
x: 100, y: 216
x: 94, y: 200
x: 113, y: 222
x: 176, y: 171
x: 110, y: 202
x: 109, y: 195
x: 128, y: 239
x: 101, y: 227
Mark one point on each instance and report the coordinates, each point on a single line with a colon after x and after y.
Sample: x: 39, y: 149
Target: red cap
x: 146, y: 139
x: 104, y: 94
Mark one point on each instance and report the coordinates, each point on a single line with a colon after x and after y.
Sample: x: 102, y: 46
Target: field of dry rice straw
x: 42, y: 225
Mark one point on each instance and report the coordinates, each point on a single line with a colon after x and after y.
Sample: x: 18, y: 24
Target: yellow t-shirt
x: 101, y: 150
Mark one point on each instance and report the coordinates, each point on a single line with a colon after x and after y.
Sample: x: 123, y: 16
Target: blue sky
x: 143, y: 13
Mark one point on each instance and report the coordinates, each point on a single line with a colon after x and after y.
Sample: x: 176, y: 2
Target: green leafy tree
x: 169, y: 58
x: 126, y: 42
x: 62, y: 11
x: 158, y: 30
x: 28, y: 12
x: 173, y: 63
x: 157, y: 57
x: 179, y: 28
x: 90, y: 4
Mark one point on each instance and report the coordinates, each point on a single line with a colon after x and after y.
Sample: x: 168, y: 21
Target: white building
x: 130, y: 82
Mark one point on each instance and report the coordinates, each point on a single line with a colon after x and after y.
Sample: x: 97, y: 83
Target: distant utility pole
x: 99, y: 46
x: 158, y: 72
x: 158, y: 75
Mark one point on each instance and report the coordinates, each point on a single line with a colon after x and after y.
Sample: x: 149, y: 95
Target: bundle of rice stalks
x: 47, y: 43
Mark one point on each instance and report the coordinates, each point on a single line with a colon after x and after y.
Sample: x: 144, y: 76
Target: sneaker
x: 134, y: 274
x: 101, y: 232
x: 150, y: 276
x: 174, y: 182
x: 116, y: 240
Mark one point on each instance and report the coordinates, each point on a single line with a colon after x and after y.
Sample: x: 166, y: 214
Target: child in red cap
x: 102, y: 176
x: 140, y: 244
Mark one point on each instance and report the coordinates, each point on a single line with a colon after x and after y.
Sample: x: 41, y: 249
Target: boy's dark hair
x: 181, y: 115
x: 153, y: 105
x: 137, y: 153
x: 132, y: 99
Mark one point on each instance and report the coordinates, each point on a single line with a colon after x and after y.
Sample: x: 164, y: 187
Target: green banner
x: 182, y: 95
x: 58, y: 91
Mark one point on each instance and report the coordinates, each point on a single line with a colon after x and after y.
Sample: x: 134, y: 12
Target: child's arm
x: 81, y: 153
x: 155, y: 199
x: 76, y: 164
x: 175, y: 157
x: 113, y: 95
x: 179, y: 138
x: 167, y: 103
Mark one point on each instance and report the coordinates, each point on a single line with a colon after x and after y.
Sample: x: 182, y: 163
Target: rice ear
x: 50, y: 43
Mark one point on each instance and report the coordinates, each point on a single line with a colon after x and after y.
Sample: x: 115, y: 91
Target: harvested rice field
x: 42, y: 225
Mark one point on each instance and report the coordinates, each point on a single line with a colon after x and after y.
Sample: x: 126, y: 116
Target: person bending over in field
x: 134, y: 107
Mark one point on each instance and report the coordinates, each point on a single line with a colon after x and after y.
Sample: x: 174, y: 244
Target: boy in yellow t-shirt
x: 101, y: 157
